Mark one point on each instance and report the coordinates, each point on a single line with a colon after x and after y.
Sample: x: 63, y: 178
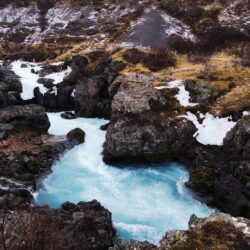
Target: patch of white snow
x: 212, y: 130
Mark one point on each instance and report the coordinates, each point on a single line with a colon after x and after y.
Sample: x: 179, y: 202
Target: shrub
x: 180, y: 44
x: 159, y: 59
x: 133, y: 56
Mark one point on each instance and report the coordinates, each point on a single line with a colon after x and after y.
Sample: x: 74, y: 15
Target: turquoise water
x: 144, y: 202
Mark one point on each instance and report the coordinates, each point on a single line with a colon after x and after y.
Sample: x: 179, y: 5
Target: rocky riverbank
x: 147, y: 124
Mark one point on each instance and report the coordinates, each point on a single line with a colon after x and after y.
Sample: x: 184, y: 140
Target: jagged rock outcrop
x: 93, y: 95
x: 91, y: 98
x: 141, y: 128
x: 86, y: 225
x: 222, y: 174
x: 237, y: 140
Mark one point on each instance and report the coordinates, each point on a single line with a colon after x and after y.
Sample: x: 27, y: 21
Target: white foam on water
x: 58, y: 76
x: 145, y: 202
x: 29, y: 79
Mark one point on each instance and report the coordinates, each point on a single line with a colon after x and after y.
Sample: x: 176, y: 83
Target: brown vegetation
x: 155, y: 60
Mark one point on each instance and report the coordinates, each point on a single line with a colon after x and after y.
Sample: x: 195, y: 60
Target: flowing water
x: 145, y: 202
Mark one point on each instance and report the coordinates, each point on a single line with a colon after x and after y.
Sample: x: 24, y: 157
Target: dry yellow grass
x: 230, y: 81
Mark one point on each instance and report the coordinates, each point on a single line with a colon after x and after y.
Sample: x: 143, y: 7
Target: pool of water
x: 145, y: 201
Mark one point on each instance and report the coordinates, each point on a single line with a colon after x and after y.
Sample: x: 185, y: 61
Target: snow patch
x: 212, y: 130
x: 183, y: 96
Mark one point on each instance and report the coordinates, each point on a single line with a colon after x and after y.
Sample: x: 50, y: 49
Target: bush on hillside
x: 157, y: 59
x: 180, y: 44
x: 133, y: 56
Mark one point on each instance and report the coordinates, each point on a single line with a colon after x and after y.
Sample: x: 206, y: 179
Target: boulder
x: 78, y: 64
x: 57, y: 99
x: 68, y: 115
x: 5, y: 130
x: 141, y: 129
x: 47, y: 83
x: 50, y: 68
x: 76, y: 135
x: 28, y: 117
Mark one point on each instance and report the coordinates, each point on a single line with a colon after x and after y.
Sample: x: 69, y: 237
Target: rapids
x: 145, y: 201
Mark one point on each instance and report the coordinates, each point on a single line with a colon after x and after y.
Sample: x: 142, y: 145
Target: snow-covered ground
x: 212, y: 130
x: 183, y: 96
x: 29, y: 79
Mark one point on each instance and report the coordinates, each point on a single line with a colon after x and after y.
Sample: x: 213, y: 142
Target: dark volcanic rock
x: 76, y: 135
x: 29, y: 164
x: 237, y: 140
x: 49, y: 69
x: 47, y: 83
x: 141, y: 130
x: 78, y: 64
x: 68, y: 115
x: 10, y: 87
x: 86, y: 225
x: 92, y: 99
x: 28, y: 116
x: 58, y: 99
x: 223, y: 173
x: 9, y: 81
x: 5, y: 130
x: 131, y: 245
x: 200, y: 92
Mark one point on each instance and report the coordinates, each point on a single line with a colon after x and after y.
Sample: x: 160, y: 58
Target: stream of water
x: 145, y: 202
